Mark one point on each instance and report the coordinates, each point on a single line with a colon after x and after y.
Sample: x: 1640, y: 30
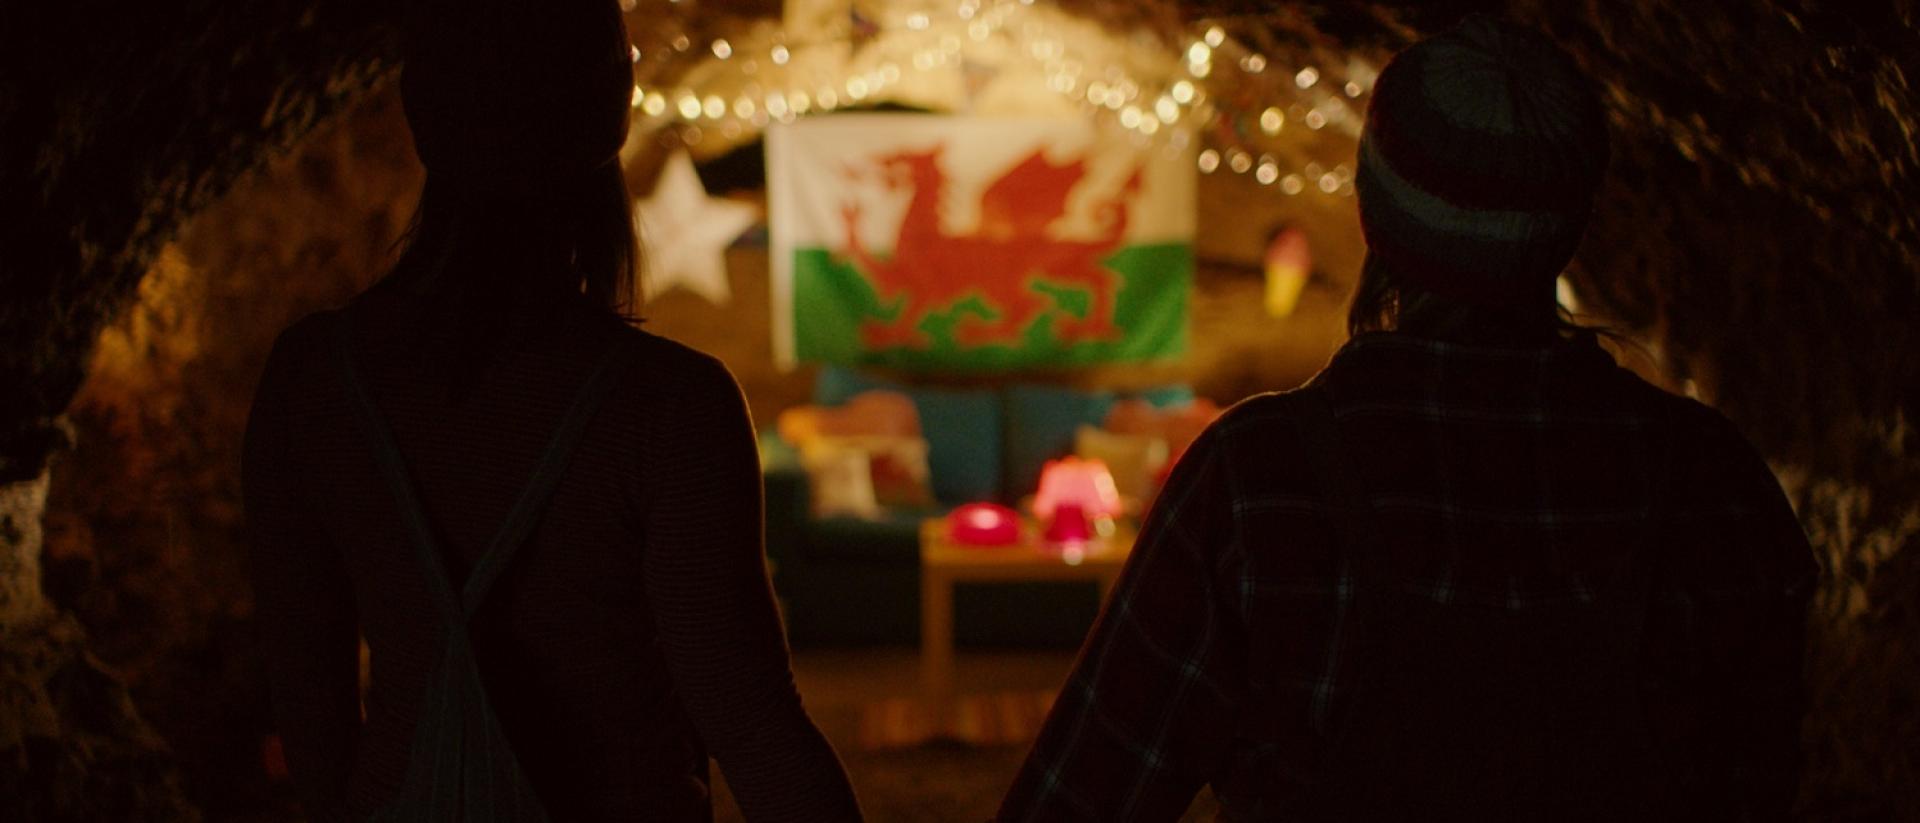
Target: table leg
x: 936, y: 650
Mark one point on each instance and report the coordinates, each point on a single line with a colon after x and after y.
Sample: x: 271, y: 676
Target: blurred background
x: 185, y: 178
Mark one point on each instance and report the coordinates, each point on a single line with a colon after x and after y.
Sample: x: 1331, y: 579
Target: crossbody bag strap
x: 393, y: 469
x: 533, y: 498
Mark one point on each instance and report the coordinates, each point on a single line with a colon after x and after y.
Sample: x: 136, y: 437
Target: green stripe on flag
x: 831, y: 300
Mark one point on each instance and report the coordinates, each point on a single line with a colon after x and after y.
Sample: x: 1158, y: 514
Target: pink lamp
x: 1072, y: 492
x: 983, y: 524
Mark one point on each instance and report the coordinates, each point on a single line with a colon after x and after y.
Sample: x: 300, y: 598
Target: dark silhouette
x: 1473, y: 570
x: 544, y: 523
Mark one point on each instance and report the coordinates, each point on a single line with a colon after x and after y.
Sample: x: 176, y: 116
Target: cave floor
x: 864, y: 701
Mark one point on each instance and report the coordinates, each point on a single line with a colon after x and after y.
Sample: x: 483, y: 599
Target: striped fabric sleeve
x: 714, y: 607
x: 1145, y: 718
x: 303, y: 600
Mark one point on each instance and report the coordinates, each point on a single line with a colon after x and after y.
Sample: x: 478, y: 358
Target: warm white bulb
x: 1271, y: 120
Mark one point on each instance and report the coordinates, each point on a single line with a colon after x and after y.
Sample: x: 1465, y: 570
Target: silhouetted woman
x: 545, y: 523
x: 1473, y: 571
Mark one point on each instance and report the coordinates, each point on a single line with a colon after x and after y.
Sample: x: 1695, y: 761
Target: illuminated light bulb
x: 1215, y: 36
x: 1209, y: 161
x: 1329, y: 183
x: 722, y: 49
x: 633, y: 54
x: 691, y: 135
x: 917, y: 21
x: 800, y: 102
x: 689, y: 106
x: 1253, y: 63
x: 713, y: 106
x: 743, y: 106
x: 1096, y: 92
x: 1267, y: 173
x: 1199, y: 53
x: 1292, y: 184
x: 857, y: 88
x: 780, y: 55
x: 777, y: 104
x: 639, y: 97
x: 1130, y: 117
x: 1344, y: 172
x: 1352, y: 89
x: 1315, y: 119
x: 1149, y: 125
x: 656, y: 105
x: 1115, y: 98
x: 1165, y: 109
x: 1312, y: 170
x: 1271, y: 120
x: 978, y: 30
x: 1183, y: 92
x: 1199, y: 69
x: 1239, y: 161
x: 827, y: 99
x: 966, y: 11
x: 1306, y: 77
x: 681, y: 43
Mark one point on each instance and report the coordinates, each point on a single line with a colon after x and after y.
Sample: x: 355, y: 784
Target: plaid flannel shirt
x: 1511, y: 474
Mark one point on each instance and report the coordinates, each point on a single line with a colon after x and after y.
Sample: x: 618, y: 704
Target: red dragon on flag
x: 936, y: 243
x: 1012, y: 250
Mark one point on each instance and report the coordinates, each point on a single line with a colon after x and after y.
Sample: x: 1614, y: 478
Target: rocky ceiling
x: 1760, y: 233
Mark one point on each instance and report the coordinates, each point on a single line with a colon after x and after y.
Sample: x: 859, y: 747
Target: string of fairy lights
x: 1238, y: 100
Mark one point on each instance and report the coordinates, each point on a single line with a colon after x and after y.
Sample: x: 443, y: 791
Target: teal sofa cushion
x: 962, y: 427
x: 1041, y: 421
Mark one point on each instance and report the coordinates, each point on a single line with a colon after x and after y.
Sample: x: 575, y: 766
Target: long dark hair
x: 1389, y: 300
x: 484, y: 267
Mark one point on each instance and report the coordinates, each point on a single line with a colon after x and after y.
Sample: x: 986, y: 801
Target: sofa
x: 855, y: 581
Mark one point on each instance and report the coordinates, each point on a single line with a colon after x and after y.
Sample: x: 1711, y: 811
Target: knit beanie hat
x: 1482, y: 150
x: 516, y: 93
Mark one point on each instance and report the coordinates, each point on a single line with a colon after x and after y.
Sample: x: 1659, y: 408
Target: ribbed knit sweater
x: 633, y: 635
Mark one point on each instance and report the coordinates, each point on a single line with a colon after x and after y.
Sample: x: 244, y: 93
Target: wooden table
x: 944, y: 563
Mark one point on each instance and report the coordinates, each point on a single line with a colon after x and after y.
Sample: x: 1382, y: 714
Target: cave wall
x: 144, y: 541
x: 116, y: 122
x: 1758, y: 235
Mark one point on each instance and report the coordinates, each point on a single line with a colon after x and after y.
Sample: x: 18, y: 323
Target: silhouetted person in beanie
x: 544, y: 522
x: 1473, y: 570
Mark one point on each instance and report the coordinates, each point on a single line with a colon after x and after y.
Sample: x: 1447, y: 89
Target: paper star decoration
x: 685, y: 233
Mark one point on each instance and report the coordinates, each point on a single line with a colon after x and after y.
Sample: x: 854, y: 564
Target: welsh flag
x: 959, y: 243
